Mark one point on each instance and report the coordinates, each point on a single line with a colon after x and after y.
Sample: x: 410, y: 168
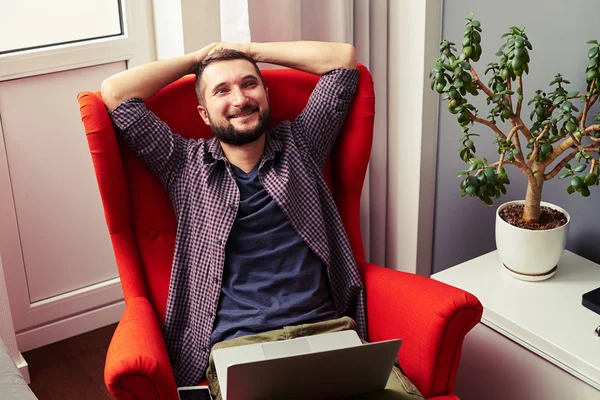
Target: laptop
x: 321, y: 366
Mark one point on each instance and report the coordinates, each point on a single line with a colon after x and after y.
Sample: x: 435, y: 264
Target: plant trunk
x: 533, y: 198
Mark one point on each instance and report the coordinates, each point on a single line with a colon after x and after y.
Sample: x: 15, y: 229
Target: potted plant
x: 558, y: 142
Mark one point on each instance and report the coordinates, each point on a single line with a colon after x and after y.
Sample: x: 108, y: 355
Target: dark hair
x: 217, y: 56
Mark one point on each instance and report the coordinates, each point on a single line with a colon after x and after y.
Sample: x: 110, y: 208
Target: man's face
x: 236, y: 104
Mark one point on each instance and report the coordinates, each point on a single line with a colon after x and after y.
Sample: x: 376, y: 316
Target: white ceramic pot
x: 527, y: 254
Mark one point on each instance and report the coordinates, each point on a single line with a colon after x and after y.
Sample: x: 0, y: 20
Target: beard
x: 227, y: 133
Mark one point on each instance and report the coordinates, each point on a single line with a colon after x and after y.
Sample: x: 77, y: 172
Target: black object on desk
x: 591, y: 300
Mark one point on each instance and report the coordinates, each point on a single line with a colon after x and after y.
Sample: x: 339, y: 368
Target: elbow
x: 349, y: 56
x: 109, y: 95
x: 343, y: 55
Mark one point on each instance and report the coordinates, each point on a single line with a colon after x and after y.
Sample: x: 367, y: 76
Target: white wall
x: 414, y: 34
x: 558, y: 31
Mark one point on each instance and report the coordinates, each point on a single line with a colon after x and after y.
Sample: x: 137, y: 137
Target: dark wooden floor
x: 72, y: 369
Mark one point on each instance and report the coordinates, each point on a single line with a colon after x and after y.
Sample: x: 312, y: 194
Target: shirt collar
x: 272, y: 146
x: 215, y: 149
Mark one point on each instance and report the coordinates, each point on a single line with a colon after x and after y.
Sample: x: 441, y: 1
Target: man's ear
x: 204, y: 114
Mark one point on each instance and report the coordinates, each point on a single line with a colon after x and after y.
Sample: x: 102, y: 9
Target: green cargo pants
x: 398, y: 386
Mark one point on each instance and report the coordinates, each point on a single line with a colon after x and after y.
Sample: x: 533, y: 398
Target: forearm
x: 313, y: 57
x: 145, y: 80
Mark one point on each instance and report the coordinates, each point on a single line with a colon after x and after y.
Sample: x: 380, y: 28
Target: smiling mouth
x: 244, y: 113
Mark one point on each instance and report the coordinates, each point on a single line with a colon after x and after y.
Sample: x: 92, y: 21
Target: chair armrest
x: 430, y: 317
x: 137, y: 363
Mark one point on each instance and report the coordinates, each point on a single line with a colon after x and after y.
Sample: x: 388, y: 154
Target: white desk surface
x: 545, y: 317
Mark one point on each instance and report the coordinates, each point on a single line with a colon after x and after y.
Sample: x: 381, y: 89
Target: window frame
x: 85, y: 52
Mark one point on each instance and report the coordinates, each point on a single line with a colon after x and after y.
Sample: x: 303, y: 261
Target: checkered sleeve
x: 151, y: 140
x: 325, y: 112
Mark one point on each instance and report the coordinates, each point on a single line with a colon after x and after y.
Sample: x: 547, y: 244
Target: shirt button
x: 219, y: 242
x: 232, y: 206
x: 215, y: 279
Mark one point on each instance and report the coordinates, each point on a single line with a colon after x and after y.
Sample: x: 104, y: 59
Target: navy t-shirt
x: 271, y: 278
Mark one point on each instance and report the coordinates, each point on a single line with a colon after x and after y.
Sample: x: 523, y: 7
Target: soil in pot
x: 549, y: 218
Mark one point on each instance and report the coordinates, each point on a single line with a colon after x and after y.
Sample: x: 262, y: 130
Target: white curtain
x: 360, y: 22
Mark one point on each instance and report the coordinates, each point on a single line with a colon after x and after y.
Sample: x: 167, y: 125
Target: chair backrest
x: 138, y: 212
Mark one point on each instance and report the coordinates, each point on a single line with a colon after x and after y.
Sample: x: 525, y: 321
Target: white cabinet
x: 535, y: 339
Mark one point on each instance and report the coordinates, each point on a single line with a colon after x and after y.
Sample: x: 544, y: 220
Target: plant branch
x: 519, y: 102
x: 521, y: 166
x: 508, y: 96
x: 591, y: 129
x: 574, y: 139
x: 527, y: 171
x: 523, y: 128
x: 536, y: 145
x: 513, y: 131
x: 480, y: 83
x: 486, y: 122
x: 592, y: 101
x: 586, y: 107
x: 509, y: 137
x: 519, y: 156
x: 534, y: 153
x: 597, y: 140
x: 490, y: 94
x: 515, y: 138
x: 561, y: 148
x: 500, y: 163
x: 559, y: 166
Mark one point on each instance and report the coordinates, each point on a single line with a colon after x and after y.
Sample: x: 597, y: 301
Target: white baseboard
x: 69, y: 327
x: 23, y: 368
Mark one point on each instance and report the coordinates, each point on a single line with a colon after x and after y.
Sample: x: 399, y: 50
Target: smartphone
x: 591, y: 300
x: 194, y: 393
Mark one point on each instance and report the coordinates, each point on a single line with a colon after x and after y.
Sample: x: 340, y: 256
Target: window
x: 31, y: 24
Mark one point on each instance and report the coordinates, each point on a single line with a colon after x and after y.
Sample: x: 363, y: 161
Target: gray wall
x: 558, y: 31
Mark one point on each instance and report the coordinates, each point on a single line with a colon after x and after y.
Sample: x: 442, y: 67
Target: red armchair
x: 430, y: 317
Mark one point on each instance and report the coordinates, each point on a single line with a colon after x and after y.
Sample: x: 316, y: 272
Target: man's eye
x: 221, y: 91
x: 250, y: 84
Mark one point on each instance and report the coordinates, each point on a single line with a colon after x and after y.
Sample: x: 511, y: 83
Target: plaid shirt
x: 205, y: 197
